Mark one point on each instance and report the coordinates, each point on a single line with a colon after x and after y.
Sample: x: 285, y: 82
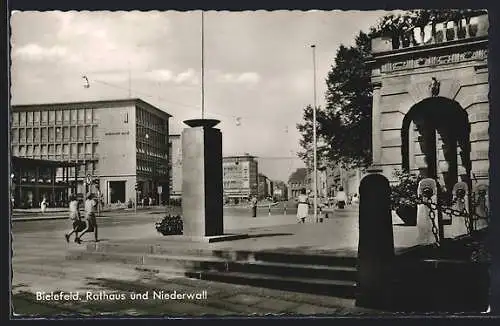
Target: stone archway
x: 439, y: 117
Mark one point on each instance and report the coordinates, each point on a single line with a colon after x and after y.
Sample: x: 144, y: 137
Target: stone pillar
x: 460, y: 202
x: 202, y: 190
x: 481, y: 207
x: 427, y: 190
x: 376, y: 125
x: 376, y: 243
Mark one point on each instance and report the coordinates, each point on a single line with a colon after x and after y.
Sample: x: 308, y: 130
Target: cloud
x: 166, y: 75
x: 250, y: 78
x: 35, y: 52
x: 188, y: 76
x: 159, y: 75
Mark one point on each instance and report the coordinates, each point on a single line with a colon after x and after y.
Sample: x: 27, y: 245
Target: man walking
x: 90, y: 210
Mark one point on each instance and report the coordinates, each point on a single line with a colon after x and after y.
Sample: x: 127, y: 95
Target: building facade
x: 117, y: 143
x: 298, y: 180
x: 240, y: 177
x: 175, y: 150
x: 430, y: 103
x: 280, y: 191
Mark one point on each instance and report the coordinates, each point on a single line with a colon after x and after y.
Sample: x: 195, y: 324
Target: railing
x: 434, y: 33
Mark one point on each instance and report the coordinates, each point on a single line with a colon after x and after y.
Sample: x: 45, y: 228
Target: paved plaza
x: 40, y: 265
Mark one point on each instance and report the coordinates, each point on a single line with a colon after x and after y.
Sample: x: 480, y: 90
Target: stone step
x: 278, y: 256
x: 210, y: 263
x: 335, y: 288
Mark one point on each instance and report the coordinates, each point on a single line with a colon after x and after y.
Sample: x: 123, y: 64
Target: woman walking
x: 43, y: 205
x: 302, y: 207
x: 90, y: 210
x: 74, y: 215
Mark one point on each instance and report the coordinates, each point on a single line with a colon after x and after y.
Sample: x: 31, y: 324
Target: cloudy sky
x: 258, y: 67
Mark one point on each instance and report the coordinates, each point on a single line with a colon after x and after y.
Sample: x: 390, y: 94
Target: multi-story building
x: 175, y: 150
x: 265, y: 186
x: 240, y: 177
x: 118, y: 143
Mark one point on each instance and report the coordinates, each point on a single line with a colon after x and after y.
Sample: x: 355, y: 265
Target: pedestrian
x: 253, y: 202
x: 74, y: 215
x: 150, y: 201
x: 355, y: 199
x: 43, y: 205
x: 302, y: 206
x: 341, y: 198
x: 90, y: 218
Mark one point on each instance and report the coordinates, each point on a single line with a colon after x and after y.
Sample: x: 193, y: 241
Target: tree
x: 344, y: 125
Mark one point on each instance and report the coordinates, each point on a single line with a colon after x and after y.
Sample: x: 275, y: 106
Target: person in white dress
x: 341, y: 198
x: 302, y: 207
x: 43, y: 205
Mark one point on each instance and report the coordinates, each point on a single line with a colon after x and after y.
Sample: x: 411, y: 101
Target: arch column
x: 376, y: 125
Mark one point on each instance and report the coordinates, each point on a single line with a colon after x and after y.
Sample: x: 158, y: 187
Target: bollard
x: 459, y: 224
x: 481, y: 206
x: 376, y: 244
x: 269, y: 209
x: 427, y: 190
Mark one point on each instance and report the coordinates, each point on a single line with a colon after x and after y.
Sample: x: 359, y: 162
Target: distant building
x: 175, y: 150
x: 298, y: 180
x: 119, y: 143
x: 265, y: 186
x: 280, y: 191
x: 240, y: 177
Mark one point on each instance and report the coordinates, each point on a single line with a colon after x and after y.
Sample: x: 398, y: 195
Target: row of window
x: 149, y: 120
x: 150, y: 167
x: 57, y: 149
x: 150, y: 136
x: 45, y: 173
x: 53, y: 134
x: 150, y: 150
x: 55, y: 117
x: 91, y: 168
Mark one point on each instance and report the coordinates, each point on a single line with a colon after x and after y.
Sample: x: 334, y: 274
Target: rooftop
x: 95, y: 104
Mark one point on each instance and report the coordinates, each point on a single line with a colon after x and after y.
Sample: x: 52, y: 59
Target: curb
x: 27, y: 219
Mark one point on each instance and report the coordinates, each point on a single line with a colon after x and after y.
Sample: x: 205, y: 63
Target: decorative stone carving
x: 464, y: 56
x: 434, y: 86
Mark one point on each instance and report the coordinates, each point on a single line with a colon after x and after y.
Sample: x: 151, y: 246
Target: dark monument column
x: 202, y: 192
x: 376, y: 243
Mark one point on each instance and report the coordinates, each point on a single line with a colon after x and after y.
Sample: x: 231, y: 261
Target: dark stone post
x: 376, y: 243
x: 202, y: 189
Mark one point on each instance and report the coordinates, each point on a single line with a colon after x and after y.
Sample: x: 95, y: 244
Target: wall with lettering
x: 117, y: 147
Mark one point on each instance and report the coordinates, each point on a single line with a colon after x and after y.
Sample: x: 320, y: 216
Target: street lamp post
x: 315, y: 174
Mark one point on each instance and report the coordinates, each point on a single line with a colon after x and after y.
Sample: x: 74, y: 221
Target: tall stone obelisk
x: 202, y: 190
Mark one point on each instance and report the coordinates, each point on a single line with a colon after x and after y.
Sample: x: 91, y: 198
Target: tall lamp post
x: 315, y: 172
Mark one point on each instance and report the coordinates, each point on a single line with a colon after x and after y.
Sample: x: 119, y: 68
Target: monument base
x: 207, y: 239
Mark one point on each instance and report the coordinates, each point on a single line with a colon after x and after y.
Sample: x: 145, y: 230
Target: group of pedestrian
x: 86, y: 224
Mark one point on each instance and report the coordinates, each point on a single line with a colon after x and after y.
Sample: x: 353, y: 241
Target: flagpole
x: 315, y: 176
x: 202, y: 66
